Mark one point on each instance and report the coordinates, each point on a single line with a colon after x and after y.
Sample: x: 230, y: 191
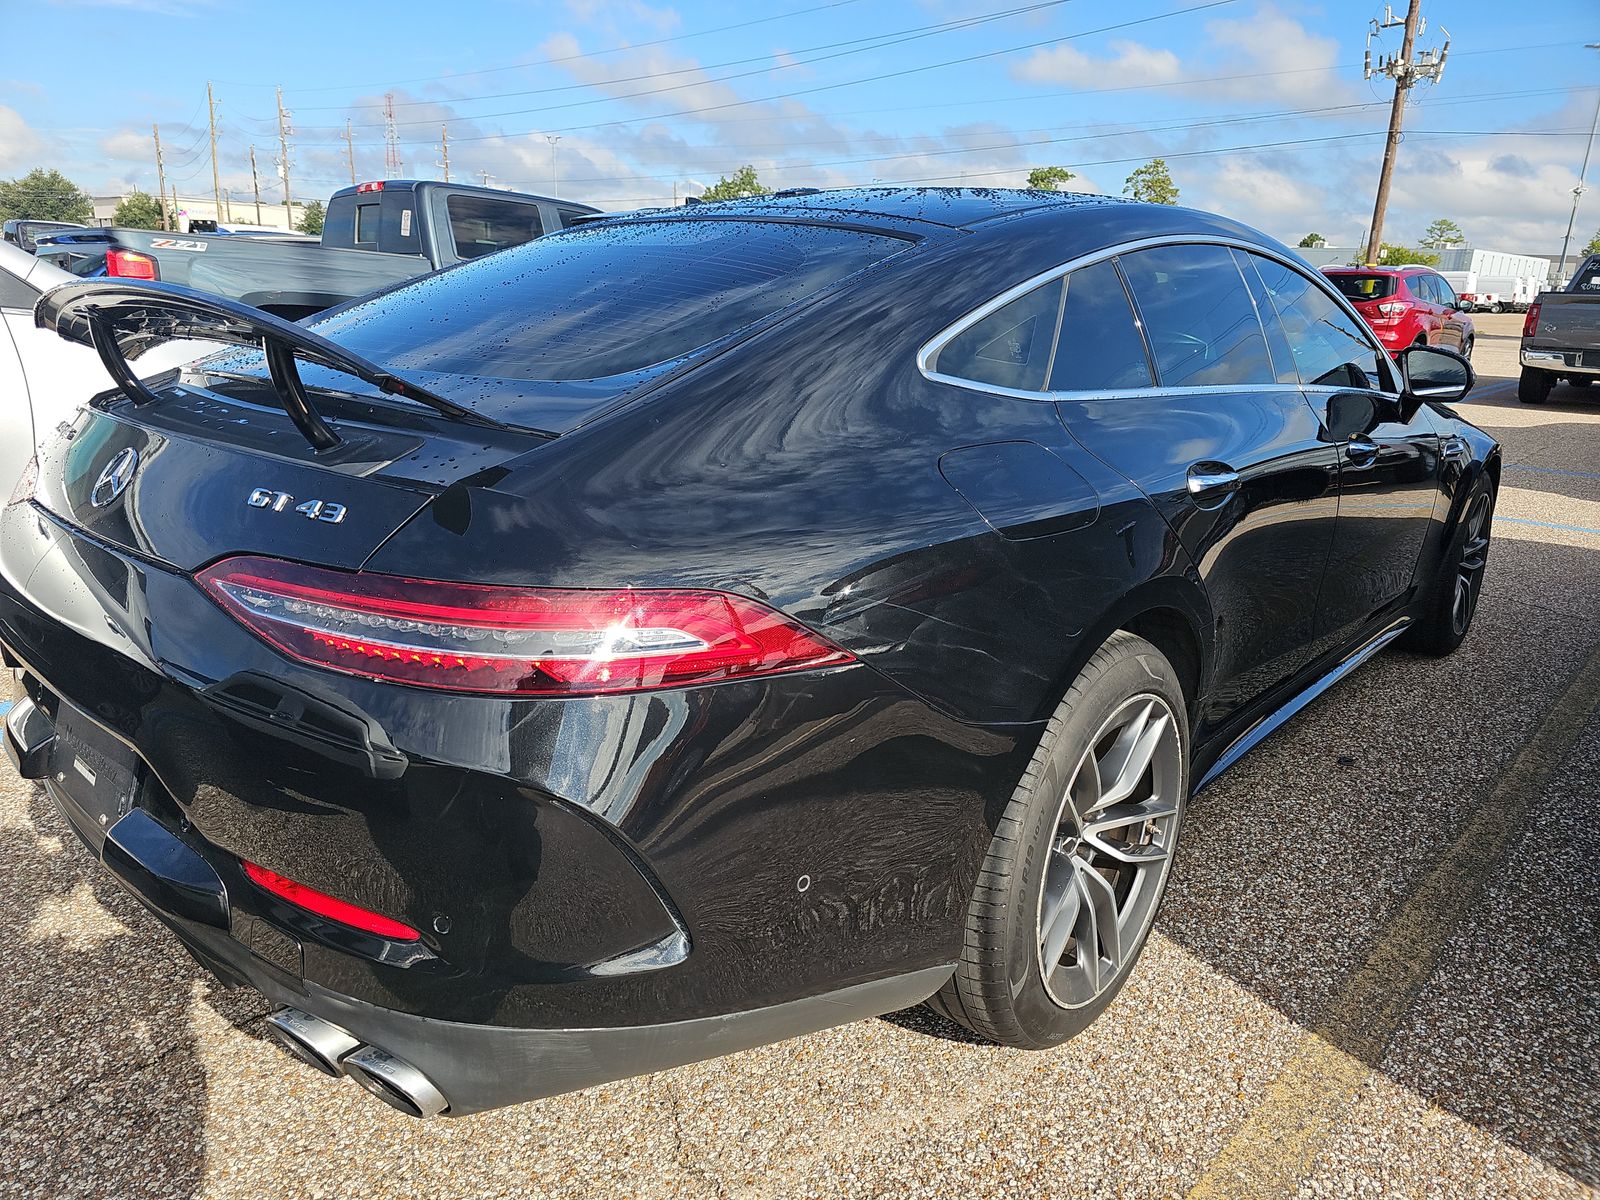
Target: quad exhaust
x: 396, y: 1082
x: 335, y: 1051
x: 312, y: 1040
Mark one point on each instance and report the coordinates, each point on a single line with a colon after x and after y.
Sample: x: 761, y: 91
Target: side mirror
x: 1464, y: 305
x: 1432, y: 373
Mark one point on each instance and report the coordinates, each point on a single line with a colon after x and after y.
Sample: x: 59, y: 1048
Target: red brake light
x: 130, y: 264
x: 375, y: 186
x: 1530, y: 323
x: 507, y: 640
x: 324, y: 905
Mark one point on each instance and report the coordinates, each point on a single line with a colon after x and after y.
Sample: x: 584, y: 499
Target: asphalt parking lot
x: 1375, y: 975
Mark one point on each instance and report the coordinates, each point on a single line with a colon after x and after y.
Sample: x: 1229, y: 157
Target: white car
x: 43, y: 379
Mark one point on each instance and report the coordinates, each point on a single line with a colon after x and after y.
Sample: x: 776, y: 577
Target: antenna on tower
x: 393, y: 165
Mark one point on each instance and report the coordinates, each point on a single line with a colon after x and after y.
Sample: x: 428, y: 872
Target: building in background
x: 237, y: 214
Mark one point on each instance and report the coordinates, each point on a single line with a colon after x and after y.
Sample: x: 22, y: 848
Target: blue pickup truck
x: 374, y: 235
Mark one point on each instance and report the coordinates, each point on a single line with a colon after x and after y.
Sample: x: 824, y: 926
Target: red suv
x: 1406, y: 306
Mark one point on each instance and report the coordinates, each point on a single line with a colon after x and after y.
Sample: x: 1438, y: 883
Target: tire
x: 1052, y: 878
x: 1497, y: 308
x: 1466, y: 348
x: 1533, y: 385
x: 1450, y: 600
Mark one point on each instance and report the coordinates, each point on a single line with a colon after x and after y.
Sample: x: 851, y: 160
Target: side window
x: 1423, y: 286
x: 1443, y: 292
x: 1198, y: 317
x: 481, y: 224
x: 1277, y: 341
x: 1329, y: 348
x: 1099, y: 346
x: 14, y: 293
x: 1009, y: 348
x: 568, y: 215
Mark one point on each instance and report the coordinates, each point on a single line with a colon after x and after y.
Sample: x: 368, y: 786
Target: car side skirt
x: 1265, y: 726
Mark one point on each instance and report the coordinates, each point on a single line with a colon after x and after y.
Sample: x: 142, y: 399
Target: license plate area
x: 92, y: 772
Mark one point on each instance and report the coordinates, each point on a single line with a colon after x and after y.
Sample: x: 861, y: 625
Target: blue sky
x: 1259, y: 105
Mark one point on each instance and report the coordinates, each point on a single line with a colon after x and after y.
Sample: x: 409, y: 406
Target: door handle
x: 1361, y: 452
x: 1212, y: 481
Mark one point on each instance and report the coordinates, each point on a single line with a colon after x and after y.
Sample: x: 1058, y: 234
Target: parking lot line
x: 1277, y: 1145
x: 1553, y: 471
x: 1547, y: 524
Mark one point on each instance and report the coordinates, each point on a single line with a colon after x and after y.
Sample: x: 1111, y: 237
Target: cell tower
x: 393, y: 165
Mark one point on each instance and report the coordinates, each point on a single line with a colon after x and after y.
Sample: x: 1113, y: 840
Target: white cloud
x: 19, y: 145
x: 1128, y: 62
x: 129, y: 145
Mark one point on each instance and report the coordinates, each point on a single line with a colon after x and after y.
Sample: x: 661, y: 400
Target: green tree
x: 742, y: 183
x: 1152, y: 183
x: 1443, y: 232
x: 1401, y: 256
x: 311, y: 217
x: 137, y: 210
x: 1049, y: 179
x: 1311, y: 239
x: 42, y: 195
x: 1594, y: 244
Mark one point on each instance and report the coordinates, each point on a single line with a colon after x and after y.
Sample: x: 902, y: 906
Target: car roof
x: 35, y: 272
x: 1408, y: 269
x: 955, y: 208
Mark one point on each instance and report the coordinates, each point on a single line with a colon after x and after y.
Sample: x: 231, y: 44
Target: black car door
x: 1225, y: 447
x: 1388, y: 467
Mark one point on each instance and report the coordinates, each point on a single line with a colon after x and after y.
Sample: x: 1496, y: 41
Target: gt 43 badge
x: 313, y: 510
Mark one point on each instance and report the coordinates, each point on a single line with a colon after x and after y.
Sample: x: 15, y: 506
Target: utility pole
x: 1406, y: 72
x: 350, y: 150
x: 444, y: 145
x: 1577, y: 192
x: 393, y: 165
x: 283, y: 158
x: 161, y: 177
x: 216, y: 176
x: 555, y: 181
x: 484, y: 176
x: 255, y: 183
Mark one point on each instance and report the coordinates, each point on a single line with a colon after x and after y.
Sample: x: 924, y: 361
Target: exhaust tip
x: 396, y: 1082
x: 315, y: 1042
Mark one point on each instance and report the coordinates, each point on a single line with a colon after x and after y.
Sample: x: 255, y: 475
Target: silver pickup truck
x: 1561, y: 336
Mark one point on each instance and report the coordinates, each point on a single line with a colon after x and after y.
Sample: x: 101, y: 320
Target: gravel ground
x: 131, y: 1075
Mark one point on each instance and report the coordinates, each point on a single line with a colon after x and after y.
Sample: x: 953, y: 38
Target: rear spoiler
x: 121, y: 319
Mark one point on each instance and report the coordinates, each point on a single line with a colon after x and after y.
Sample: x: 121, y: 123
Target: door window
x: 1099, y: 346
x: 1442, y: 291
x: 1010, y: 347
x: 1328, y: 346
x: 482, y: 224
x: 15, y: 294
x: 1198, y: 316
x: 1422, y: 287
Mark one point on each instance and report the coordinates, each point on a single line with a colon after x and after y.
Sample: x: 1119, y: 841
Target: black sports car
x: 706, y: 626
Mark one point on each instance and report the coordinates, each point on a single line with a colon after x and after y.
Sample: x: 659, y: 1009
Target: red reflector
x: 130, y: 264
x: 375, y: 186
x: 324, y: 905
x: 518, y: 641
x: 1530, y: 323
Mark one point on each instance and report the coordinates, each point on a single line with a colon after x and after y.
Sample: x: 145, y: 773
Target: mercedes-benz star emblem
x: 114, y: 479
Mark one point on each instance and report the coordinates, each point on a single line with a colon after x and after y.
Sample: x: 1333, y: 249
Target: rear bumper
x: 603, y: 886
x: 1567, y: 362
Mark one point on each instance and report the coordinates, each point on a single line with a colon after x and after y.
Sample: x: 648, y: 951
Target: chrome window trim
x: 930, y: 349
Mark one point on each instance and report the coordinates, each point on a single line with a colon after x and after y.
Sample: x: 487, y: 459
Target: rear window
x: 604, y: 300
x: 481, y: 225
x: 1364, y: 287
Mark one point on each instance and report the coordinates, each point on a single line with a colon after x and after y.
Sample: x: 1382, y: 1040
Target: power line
x: 679, y: 37
x: 878, y: 41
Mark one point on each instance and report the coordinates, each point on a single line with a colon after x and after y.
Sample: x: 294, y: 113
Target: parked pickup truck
x: 1561, y: 336
x: 374, y: 235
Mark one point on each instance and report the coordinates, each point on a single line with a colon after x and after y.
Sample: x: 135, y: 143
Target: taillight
x: 1531, y: 322
x: 331, y: 907
x: 130, y: 264
x: 1392, y: 310
x: 506, y: 640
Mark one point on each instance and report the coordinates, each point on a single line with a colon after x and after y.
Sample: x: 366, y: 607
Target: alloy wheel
x: 1113, y: 845
x: 1469, y: 566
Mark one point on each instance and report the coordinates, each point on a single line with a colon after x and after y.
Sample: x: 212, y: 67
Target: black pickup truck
x: 374, y: 235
